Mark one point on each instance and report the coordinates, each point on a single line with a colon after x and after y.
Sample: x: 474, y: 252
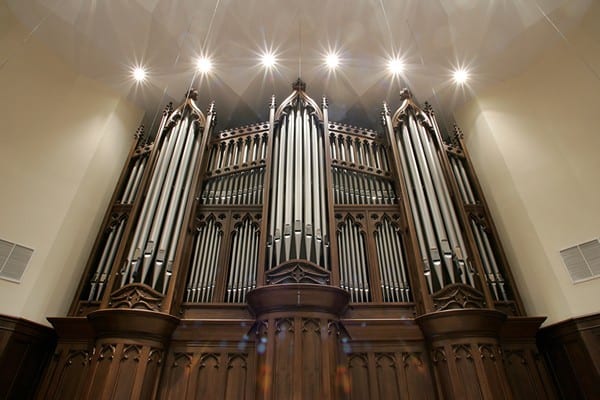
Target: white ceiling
x: 103, y: 38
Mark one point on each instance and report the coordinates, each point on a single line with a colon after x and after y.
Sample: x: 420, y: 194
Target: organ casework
x: 297, y: 256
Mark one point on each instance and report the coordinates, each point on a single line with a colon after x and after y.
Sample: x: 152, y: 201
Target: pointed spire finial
x: 299, y: 85
x: 405, y: 94
x: 192, y: 94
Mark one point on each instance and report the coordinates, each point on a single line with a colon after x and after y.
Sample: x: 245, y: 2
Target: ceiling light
x: 139, y: 74
x: 461, y: 76
x: 332, y: 60
x: 268, y: 60
x: 396, y: 66
x: 204, y: 65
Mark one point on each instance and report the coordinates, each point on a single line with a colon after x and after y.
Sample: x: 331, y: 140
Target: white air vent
x: 582, y: 261
x: 13, y: 260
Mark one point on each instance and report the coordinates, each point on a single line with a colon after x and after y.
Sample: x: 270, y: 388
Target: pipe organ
x: 297, y: 258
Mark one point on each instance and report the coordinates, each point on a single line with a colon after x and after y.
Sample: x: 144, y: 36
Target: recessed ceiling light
x: 332, y: 60
x: 396, y: 66
x: 139, y: 74
x: 461, y: 76
x: 268, y: 60
x: 204, y: 65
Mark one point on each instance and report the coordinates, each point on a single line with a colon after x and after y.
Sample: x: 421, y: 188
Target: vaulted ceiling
x: 103, y: 39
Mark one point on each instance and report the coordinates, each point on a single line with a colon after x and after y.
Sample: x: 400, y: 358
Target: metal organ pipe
x: 448, y: 214
x: 420, y: 209
x: 298, y: 216
x: 151, y: 254
x: 432, y: 201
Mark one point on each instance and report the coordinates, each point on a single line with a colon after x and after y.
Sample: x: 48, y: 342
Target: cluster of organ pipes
x: 493, y: 276
x: 134, y: 180
x: 352, y: 187
x: 307, y: 164
x: 150, y: 256
x: 353, y: 262
x: 205, y: 261
x: 298, y: 205
x: 392, y: 268
x: 109, y: 250
x: 242, y: 187
x: 439, y: 235
x: 364, y: 153
x: 243, y: 262
x: 237, y: 152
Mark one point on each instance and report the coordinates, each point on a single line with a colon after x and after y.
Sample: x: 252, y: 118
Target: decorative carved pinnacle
x: 386, y: 110
x: 429, y: 109
x: 458, y: 135
x: 272, y: 103
x: 299, y: 85
x: 192, y: 94
x: 139, y: 132
x: 405, y: 94
x: 325, y: 103
x: 211, y: 106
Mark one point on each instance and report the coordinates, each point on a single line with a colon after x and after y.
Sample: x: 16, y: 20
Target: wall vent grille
x: 13, y: 260
x: 582, y: 261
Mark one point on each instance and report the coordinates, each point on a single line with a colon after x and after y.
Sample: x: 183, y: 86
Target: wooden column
x: 465, y: 353
x: 297, y: 331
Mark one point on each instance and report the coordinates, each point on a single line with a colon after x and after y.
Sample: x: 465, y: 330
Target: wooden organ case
x: 297, y: 258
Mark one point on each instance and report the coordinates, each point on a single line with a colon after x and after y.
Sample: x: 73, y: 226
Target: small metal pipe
x: 132, y: 175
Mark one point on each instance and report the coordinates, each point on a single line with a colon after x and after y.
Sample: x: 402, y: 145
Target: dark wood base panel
x: 572, y: 349
x: 317, y: 349
x: 25, y: 348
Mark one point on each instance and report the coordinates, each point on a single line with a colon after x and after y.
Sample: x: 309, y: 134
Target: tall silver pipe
x: 100, y: 266
x: 289, y: 203
x: 432, y: 200
x: 459, y: 180
x: 318, y: 188
x: 202, y: 265
x: 446, y: 208
x: 232, y: 266
x: 176, y: 206
x: 352, y: 261
x: 489, y: 273
x: 463, y: 173
x: 205, y: 265
x: 382, y: 267
x: 191, y: 288
x: 496, y: 271
x: 150, y: 240
x: 128, y: 186
x: 387, y: 261
x: 297, y: 181
x: 133, y: 259
x: 212, y: 262
x: 136, y: 183
x: 309, y: 159
x: 420, y: 208
x: 181, y: 211
x: 354, y: 286
x: 363, y: 262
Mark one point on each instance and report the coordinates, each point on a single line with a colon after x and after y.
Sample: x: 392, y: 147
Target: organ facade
x: 297, y: 258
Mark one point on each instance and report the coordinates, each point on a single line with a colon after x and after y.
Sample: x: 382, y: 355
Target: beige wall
x: 63, y: 141
x: 535, y: 143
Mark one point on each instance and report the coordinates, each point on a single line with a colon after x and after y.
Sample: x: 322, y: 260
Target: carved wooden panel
x: 129, y: 362
x: 68, y: 379
x: 358, y: 369
x: 388, y: 383
x: 463, y: 358
x: 101, y: 365
x: 284, y: 354
x: 208, y: 372
x: 312, y: 359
